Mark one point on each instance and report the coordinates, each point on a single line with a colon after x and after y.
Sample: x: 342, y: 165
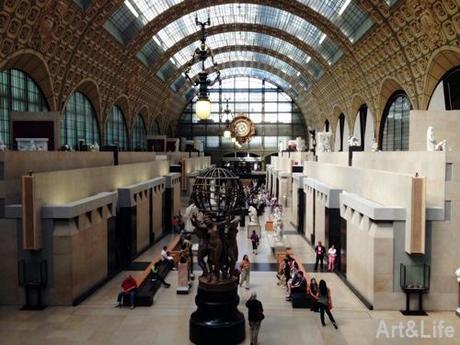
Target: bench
x: 299, y: 300
x: 302, y: 300
x: 146, y: 287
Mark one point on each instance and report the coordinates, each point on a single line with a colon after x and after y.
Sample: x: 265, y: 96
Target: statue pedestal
x: 251, y: 227
x: 276, y: 245
x: 183, y: 281
x: 217, y: 319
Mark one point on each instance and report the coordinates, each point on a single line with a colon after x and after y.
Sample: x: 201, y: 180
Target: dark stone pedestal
x: 217, y: 319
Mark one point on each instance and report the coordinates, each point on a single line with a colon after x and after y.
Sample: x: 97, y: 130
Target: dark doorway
x: 312, y: 239
x: 332, y: 224
x: 342, y: 264
x: 300, y: 211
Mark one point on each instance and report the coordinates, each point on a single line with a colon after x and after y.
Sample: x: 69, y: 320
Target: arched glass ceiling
x: 133, y: 15
x: 242, y: 38
x: 255, y: 73
x: 255, y: 57
x: 243, y: 13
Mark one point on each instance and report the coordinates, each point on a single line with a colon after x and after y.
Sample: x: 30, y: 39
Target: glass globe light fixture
x: 203, y: 108
x: 227, y: 134
x: 233, y: 140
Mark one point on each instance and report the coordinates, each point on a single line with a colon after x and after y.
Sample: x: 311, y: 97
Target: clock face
x: 242, y: 128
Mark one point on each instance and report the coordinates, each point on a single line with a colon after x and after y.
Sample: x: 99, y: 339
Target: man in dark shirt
x: 255, y: 316
x: 320, y: 251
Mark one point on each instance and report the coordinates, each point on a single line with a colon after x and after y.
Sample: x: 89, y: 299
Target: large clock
x: 242, y: 128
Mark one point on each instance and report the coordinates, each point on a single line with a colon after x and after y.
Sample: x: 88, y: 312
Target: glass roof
x: 246, y: 38
x: 345, y: 14
x: 83, y: 3
x: 245, y: 13
x: 133, y: 15
x: 253, y: 57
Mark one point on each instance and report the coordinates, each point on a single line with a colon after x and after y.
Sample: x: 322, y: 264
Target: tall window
x: 18, y: 92
x: 341, y: 130
x: 274, y: 113
x: 452, y: 89
x: 138, y: 134
x: 395, y: 122
x: 362, y: 118
x: 80, y: 122
x: 115, y: 129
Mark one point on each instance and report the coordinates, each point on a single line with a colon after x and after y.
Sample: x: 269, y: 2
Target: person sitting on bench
x: 165, y: 257
x: 298, y: 285
x: 156, y: 275
x: 129, y: 288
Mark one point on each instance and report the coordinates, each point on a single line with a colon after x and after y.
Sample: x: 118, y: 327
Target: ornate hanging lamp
x: 201, y: 54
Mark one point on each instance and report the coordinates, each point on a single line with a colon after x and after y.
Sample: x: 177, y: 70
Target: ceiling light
x: 131, y: 8
x: 308, y: 59
x: 344, y: 7
x: 203, y: 108
x: 323, y: 37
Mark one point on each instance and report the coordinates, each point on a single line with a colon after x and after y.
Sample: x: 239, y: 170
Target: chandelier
x: 227, y: 112
x: 201, y: 54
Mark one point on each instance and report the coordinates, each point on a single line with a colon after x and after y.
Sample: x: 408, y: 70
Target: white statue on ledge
x: 300, y: 144
x: 2, y: 145
x: 431, y: 144
x: 324, y: 142
x: 253, y: 218
x: 353, y: 141
x: 374, y: 146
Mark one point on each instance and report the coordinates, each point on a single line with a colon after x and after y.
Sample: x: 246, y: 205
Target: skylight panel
x: 245, y: 13
x: 247, y: 38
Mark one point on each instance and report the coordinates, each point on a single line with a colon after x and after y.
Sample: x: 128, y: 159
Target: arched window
x: 156, y: 127
x: 18, y: 92
x: 394, y: 131
x: 361, y: 121
x: 341, y: 130
x: 80, y: 122
x: 452, y: 89
x: 138, y: 134
x: 115, y: 129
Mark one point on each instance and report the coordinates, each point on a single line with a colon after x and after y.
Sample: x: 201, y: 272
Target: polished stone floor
x: 96, y: 321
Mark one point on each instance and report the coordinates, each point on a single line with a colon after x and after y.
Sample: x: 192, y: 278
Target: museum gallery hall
x: 230, y: 172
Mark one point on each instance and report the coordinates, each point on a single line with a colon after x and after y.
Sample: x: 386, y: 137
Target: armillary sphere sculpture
x: 218, y: 197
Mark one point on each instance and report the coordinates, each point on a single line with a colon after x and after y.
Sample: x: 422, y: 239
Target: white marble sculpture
x: 353, y: 141
x: 2, y: 145
x: 96, y: 146
x: 278, y: 229
x: 282, y: 145
x: 374, y: 146
x: 431, y: 144
x: 190, y: 212
x: 198, y: 145
x: 253, y: 218
x: 300, y: 144
x: 324, y: 142
x: 177, y: 145
x: 457, y: 272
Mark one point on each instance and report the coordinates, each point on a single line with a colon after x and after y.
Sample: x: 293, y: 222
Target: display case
x: 414, y: 279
